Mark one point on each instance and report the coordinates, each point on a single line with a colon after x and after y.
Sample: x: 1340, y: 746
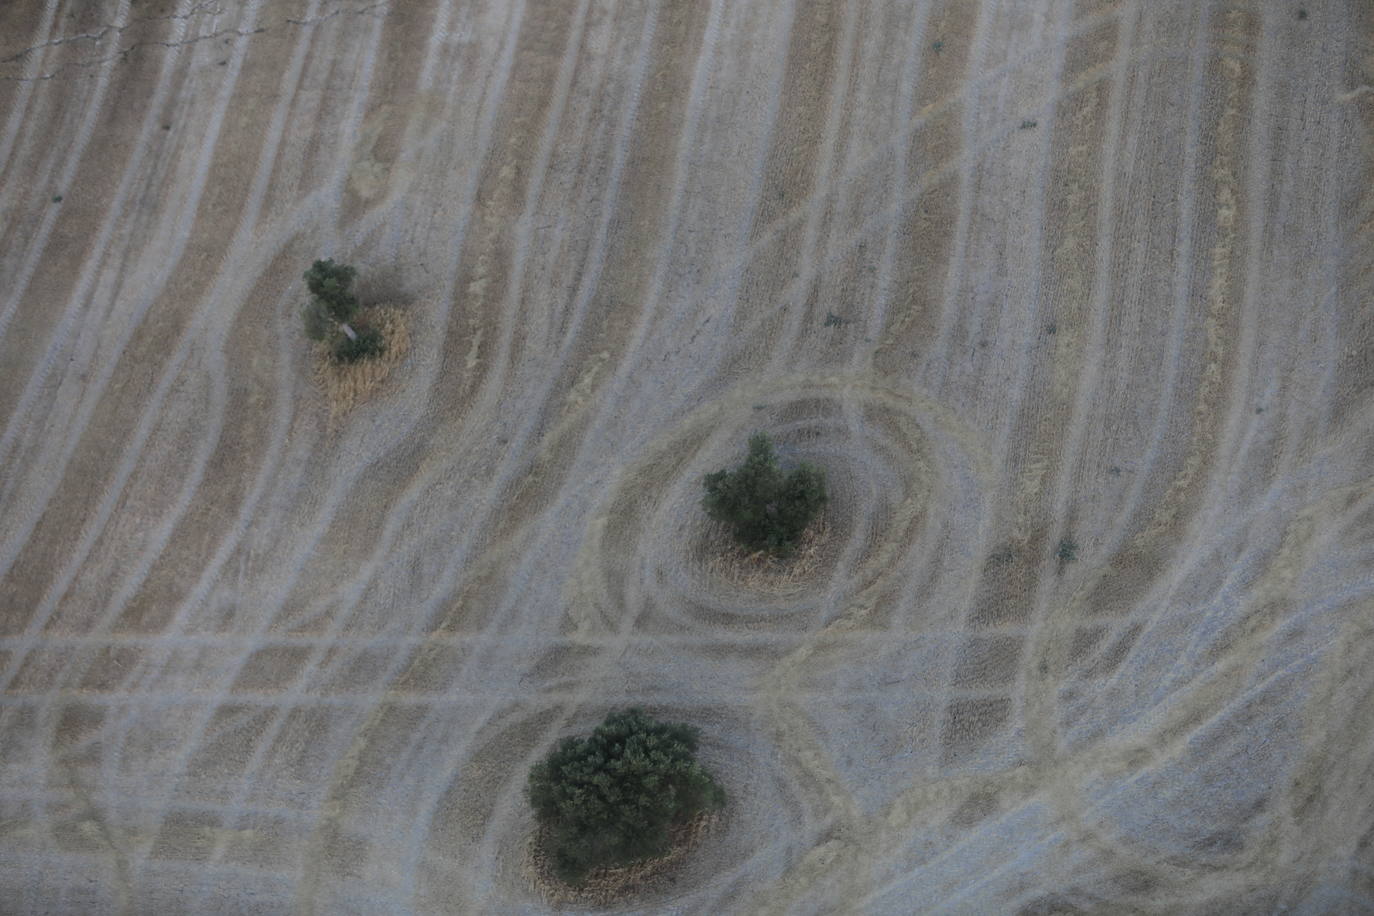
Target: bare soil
x: 1015, y: 273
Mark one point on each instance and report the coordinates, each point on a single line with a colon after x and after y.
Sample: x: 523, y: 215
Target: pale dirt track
x: 1100, y: 277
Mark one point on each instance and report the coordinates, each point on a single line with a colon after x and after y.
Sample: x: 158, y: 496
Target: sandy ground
x: 1074, y: 301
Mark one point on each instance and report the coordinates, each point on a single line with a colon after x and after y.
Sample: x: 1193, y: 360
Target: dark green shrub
x: 330, y: 284
x: 610, y: 799
x: 765, y: 508
x: 1066, y: 552
x: 366, y: 344
x: 332, y: 307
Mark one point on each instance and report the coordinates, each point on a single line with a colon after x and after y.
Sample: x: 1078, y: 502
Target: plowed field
x: 1073, y: 302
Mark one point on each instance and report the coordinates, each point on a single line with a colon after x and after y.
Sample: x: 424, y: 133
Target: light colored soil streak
x: 1070, y: 299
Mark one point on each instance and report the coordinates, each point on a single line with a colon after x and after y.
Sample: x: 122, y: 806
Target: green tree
x: 765, y: 508
x: 332, y: 309
x: 610, y: 798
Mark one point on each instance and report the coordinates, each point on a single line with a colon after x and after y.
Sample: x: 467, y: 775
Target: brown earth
x: 1070, y: 298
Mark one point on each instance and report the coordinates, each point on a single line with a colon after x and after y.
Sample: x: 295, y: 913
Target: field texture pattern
x: 1073, y: 301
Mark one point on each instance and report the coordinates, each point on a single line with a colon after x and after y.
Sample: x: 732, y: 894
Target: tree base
x: 762, y: 571
x: 345, y: 385
x: 604, y: 886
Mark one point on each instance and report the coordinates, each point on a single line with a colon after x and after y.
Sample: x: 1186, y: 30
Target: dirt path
x: 1069, y: 297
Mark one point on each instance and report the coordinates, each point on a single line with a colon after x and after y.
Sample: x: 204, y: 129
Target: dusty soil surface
x: 1074, y: 301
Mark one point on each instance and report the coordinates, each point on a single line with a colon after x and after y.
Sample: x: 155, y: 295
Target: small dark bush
x: 368, y: 344
x: 765, y: 508
x: 330, y: 284
x: 332, y: 306
x: 610, y: 799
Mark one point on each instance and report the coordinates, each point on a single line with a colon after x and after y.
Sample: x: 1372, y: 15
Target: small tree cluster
x: 765, y: 508
x: 331, y: 311
x: 610, y: 799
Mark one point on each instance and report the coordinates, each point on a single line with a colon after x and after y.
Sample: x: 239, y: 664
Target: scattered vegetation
x: 765, y: 508
x: 834, y: 321
x: 332, y: 310
x: 367, y: 343
x: 1066, y: 552
x: 1001, y: 557
x: 1028, y: 124
x: 612, y: 798
x: 344, y: 384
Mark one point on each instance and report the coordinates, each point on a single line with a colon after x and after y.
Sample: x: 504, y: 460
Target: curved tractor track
x: 1071, y: 298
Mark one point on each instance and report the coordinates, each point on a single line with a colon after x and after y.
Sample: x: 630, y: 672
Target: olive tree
x: 610, y: 798
x: 765, y: 507
x: 331, y: 311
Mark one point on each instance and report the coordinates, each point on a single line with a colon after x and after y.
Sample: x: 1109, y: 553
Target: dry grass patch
x: 604, y: 886
x: 345, y: 385
x: 761, y: 570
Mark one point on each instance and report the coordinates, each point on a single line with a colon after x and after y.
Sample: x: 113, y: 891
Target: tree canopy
x: 610, y: 798
x: 331, y: 310
x: 765, y: 507
x: 330, y: 284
